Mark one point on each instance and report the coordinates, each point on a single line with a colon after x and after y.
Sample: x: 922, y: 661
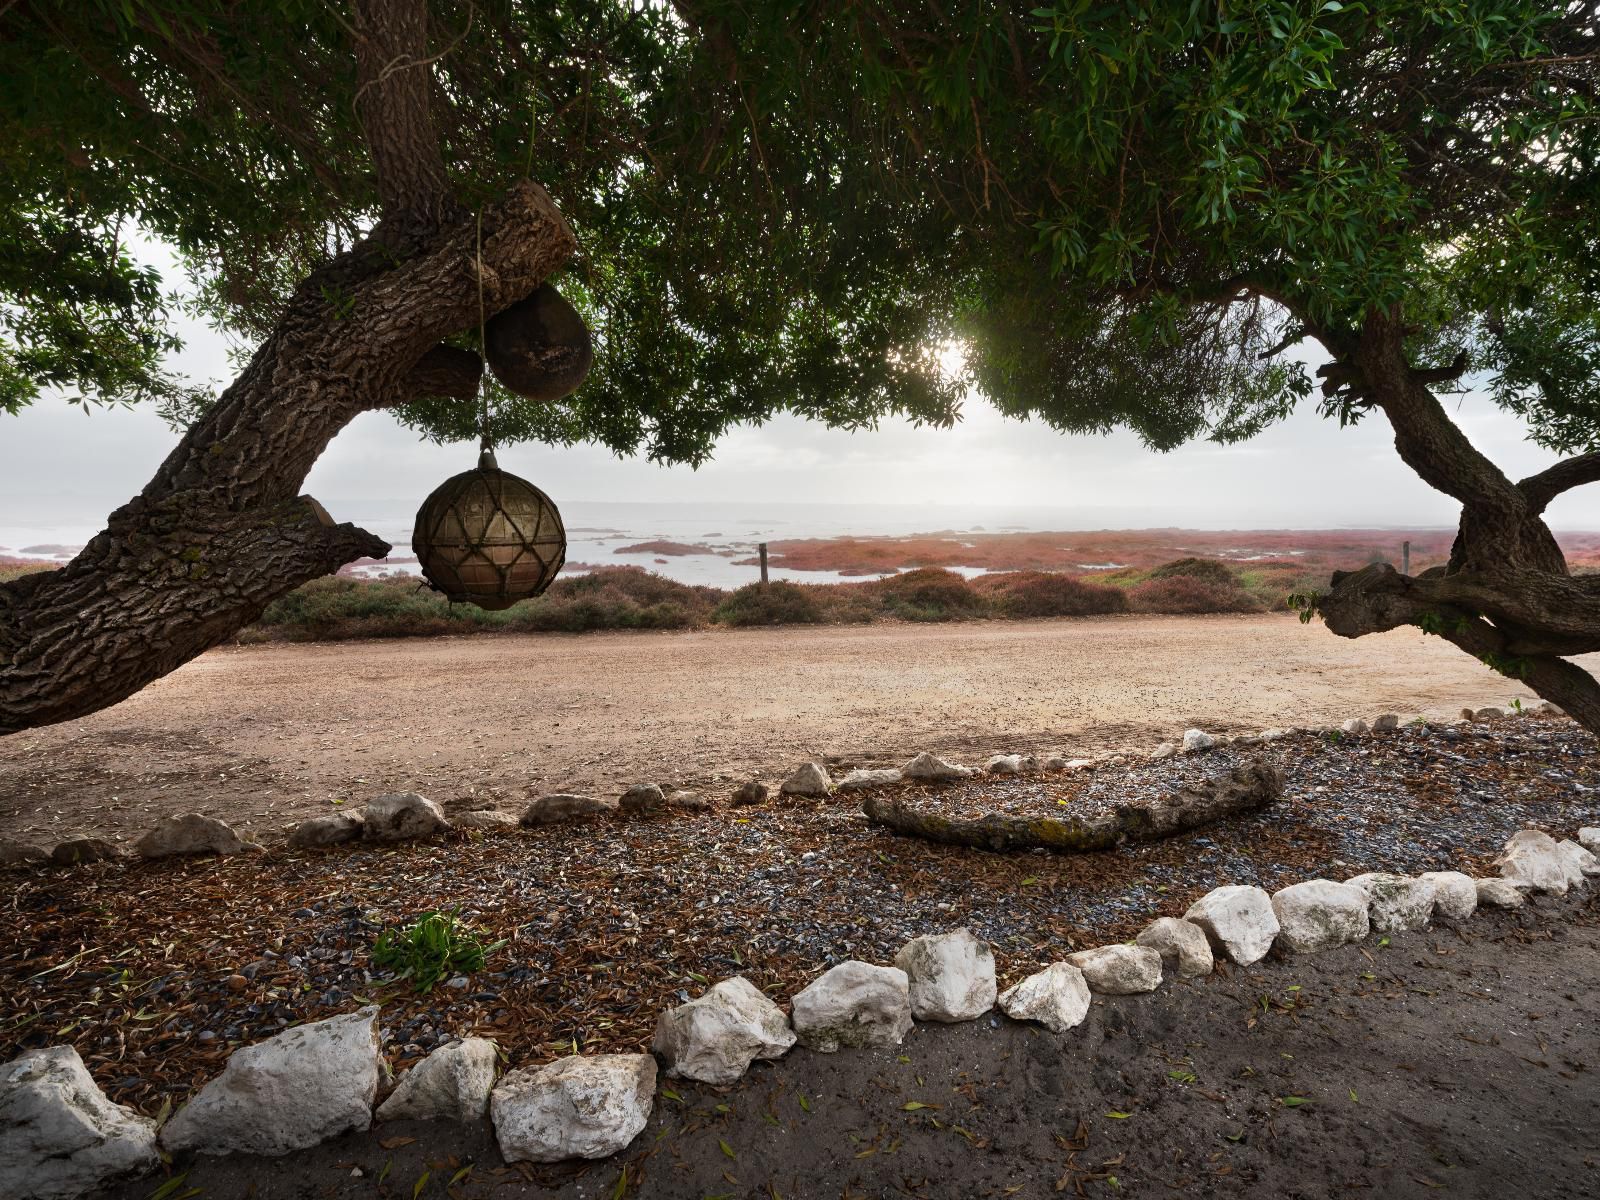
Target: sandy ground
x: 264, y: 735
x: 1446, y: 1063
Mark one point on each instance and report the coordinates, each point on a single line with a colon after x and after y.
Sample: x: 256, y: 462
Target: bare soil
x: 265, y: 735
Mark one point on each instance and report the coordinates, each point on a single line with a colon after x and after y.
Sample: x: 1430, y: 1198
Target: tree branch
x: 442, y: 371
x: 393, y: 104
x: 1544, y: 487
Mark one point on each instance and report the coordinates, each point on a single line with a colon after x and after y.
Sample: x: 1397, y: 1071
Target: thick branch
x: 1371, y: 601
x: 1544, y: 487
x: 162, y: 584
x: 394, y: 104
x: 442, y: 371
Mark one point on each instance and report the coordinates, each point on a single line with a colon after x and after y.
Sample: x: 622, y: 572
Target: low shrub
x: 16, y: 568
x: 1187, y: 594
x: 776, y: 603
x: 1047, y: 594
x: 929, y: 594
x: 1209, y: 569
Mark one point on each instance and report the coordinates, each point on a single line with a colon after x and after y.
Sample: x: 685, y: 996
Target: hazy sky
x: 61, y: 468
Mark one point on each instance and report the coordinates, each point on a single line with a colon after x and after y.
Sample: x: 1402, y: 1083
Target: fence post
x: 1405, y: 558
x: 764, y: 561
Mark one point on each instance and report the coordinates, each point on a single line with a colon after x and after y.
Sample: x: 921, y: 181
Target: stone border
x: 593, y: 1106
x: 407, y: 816
x: 333, y: 1066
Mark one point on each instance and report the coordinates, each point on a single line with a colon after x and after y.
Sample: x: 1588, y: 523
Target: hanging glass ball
x: 539, y: 348
x: 488, y: 538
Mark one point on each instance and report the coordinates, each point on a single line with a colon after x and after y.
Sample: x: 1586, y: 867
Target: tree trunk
x: 1506, y: 596
x: 1245, y: 789
x: 220, y: 531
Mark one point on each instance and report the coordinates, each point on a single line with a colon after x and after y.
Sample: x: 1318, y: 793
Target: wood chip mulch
x: 156, y: 971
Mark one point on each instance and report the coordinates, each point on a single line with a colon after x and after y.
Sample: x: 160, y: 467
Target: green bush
x: 1187, y: 594
x: 1046, y: 594
x: 929, y: 594
x: 1209, y: 569
x: 776, y: 603
x: 435, y: 946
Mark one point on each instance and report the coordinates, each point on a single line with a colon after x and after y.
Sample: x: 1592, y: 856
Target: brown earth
x: 1446, y: 1063
x: 264, y: 735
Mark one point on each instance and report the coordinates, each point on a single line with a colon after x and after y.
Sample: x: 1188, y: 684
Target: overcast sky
x: 60, y: 468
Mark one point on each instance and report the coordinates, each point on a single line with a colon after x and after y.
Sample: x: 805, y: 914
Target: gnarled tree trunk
x: 1506, y: 596
x: 220, y: 531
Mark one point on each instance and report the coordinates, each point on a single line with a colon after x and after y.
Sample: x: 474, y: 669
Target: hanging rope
x: 485, y: 442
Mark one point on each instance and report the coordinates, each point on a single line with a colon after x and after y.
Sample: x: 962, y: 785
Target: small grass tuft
x: 436, y: 946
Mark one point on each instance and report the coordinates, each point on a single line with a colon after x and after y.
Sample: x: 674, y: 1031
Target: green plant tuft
x: 435, y: 946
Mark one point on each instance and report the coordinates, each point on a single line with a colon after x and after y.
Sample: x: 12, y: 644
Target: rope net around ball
x: 488, y: 538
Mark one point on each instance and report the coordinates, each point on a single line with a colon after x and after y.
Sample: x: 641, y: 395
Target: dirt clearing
x: 264, y: 735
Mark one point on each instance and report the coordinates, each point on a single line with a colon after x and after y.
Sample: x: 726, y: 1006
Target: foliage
x: 735, y: 262
x: 929, y: 594
x: 434, y: 947
x: 1045, y: 594
x: 1188, y: 594
x: 1209, y: 570
x: 774, y: 603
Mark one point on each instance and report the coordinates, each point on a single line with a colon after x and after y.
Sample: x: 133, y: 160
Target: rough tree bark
x: 1245, y: 789
x: 221, y: 531
x: 1506, y: 596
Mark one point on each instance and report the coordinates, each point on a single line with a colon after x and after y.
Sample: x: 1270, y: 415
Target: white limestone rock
x: 1057, y: 998
x: 304, y: 1086
x: 1534, y: 861
x: 810, y: 780
x: 1195, y: 740
x: 576, y: 1107
x: 1119, y: 970
x: 1454, y: 895
x: 1499, y: 893
x: 1386, y: 723
x: 1396, y: 903
x: 1273, y: 735
x: 564, y: 806
x: 932, y: 769
x: 950, y: 976
x: 853, y: 1004
x: 401, y: 816
x: 1182, y: 945
x: 1589, y: 839
x: 189, y: 833
x: 330, y: 830
x: 59, y: 1135
x: 642, y: 799
x: 484, y: 820
x: 1355, y: 727
x: 1320, y: 914
x: 1238, y: 919
x: 452, y: 1084
x: 1164, y: 750
x: 1488, y: 714
x: 1578, y: 857
x: 715, y: 1037
x: 858, y: 780
x: 1004, y: 764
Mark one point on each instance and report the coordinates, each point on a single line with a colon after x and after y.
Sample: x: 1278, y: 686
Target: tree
x: 1161, y: 200
x: 353, y: 192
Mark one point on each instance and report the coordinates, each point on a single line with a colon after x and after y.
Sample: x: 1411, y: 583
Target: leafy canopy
x: 1130, y: 211
x: 723, y: 276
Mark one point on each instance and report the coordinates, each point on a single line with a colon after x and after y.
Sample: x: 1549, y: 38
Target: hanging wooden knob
x: 488, y: 538
x: 539, y: 347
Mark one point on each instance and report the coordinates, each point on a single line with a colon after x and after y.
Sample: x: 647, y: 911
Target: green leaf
x: 422, y: 1182
x: 727, y: 1149
x: 1118, y: 1116
x: 1293, y: 1101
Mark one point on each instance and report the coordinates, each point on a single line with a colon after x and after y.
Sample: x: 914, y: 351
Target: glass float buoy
x: 488, y: 538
